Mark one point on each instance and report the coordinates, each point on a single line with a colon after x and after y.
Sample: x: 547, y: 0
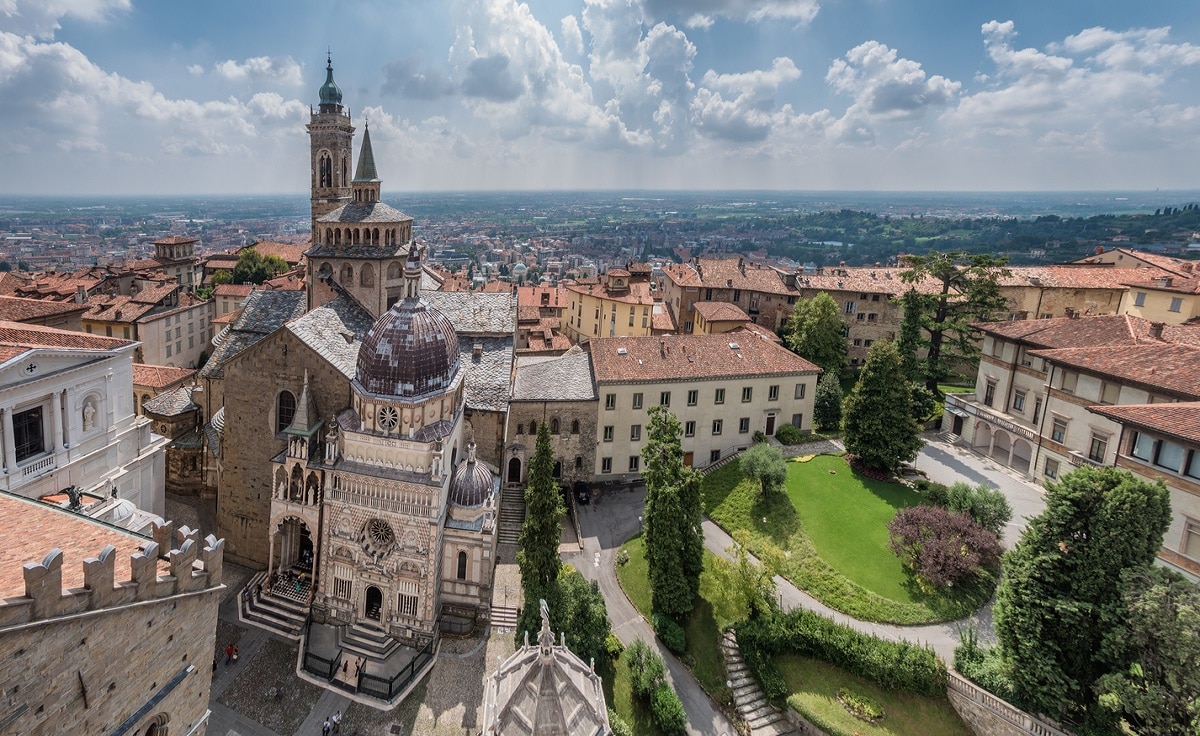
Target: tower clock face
x: 388, y: 418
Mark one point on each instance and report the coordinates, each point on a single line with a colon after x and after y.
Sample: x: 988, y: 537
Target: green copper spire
x: 365, y: 172
x: 331, y: 94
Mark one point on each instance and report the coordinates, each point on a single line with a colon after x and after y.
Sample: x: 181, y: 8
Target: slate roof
x: 1158, y: 366
x: 171, y: 403
x: 175, y: 240
x: 1181, y: 419
x: 487, y: 378
x: 213, y: 430
x: 159, y: 376
x: 565, y: 378
x: 262, y: 313
x: 476, y: 313
x: 682, y: 357
x: 377, y: 252
x: 335, y: 331
x: 365, y: 212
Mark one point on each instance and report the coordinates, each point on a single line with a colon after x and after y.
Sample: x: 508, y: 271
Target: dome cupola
x: 331, y: 94
x: 471, y: 483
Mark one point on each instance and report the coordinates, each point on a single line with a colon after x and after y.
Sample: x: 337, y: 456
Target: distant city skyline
x: 133, y: 97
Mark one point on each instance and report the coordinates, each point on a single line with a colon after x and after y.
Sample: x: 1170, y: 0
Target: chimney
x: 80, y: 295
x: 1156, y: 330
x: 662, y: 347
x: 1070, y: 312
x: 1099, y: 250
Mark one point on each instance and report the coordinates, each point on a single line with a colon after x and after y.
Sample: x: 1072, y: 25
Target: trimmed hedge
x: 889, y: 664
x: 671, y: 633
x: 668, y: 711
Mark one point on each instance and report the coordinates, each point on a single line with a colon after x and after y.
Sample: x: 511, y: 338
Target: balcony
x: 1078, y: 458
x: 960, y: 404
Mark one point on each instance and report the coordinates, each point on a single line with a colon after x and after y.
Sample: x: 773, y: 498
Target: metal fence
x: 388, y: 688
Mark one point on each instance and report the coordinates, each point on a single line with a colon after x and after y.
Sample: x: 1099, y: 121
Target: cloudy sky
x: 158, y: 96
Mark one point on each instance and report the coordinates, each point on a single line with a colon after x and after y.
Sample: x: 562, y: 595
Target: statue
x: 89, y: 415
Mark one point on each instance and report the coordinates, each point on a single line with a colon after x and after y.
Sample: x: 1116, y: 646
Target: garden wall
x: 987, y: 715
x: 801, y: 724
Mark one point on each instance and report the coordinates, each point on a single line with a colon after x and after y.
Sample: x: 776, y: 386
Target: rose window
x: 388, y: 418
x: 378, y: 538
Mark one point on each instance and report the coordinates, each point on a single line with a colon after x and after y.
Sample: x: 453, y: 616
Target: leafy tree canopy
x: 764, y: 463
x: 254, y: 268
x: 877, y: 419
x: 827, y: 403
x: 815, y: 332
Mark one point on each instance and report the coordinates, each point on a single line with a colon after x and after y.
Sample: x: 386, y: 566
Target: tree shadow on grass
x: 618, y: 694
x: 718, y: 485
x: 959, y: 601
x: 774, y: 515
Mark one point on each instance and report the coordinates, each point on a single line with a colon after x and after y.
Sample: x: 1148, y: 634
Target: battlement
x: 175, y: 562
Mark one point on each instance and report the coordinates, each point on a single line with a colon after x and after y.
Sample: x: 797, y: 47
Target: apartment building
x: 174, y: 257
x: 723, y: 388
x: 761, y: 292
x: 1164, y: 298
x: 613, y: 305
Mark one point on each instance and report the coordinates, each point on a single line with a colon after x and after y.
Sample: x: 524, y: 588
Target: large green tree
x: 542, y: 530
x: 1159, y: 693
x: 253, y: 267
x: 877, y: 419
x: 581, y: 615
x: 764, y: 463
x: 827, y: 402
x: 1059, y: 610
x: 908, y: 343
x: 966, y: 289
x: 674, y: 539
x: 815, y: 331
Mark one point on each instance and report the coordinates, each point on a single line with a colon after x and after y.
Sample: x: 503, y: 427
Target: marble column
x: 56, y: 421
x: 68, y: 395
x: 10, y: 449
x: 271, y: 559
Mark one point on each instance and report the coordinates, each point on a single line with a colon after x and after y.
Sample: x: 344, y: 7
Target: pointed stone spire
x: 306, y: 417
x: 365, y: 172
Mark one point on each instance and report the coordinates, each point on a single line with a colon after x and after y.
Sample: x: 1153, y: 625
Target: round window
x: 388, y: 418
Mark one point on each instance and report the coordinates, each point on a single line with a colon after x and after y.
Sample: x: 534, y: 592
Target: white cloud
x: 40, y: 18
x: 195, y: 70
x: 800, y: 11
x: 741, y: 107
x: 887, y: 87
x: 277, y: 69
x: 571, y: 34
x: 699, y: 20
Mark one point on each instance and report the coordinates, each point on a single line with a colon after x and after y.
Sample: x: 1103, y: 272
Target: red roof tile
x: 19, y: 335
x: 1068, y: 332
x: 682, y: 357
x: 1160, y: 367
x: 721, y: 312
x: 18, y: 309
x: 159, y: 376
x: 1180, y: 419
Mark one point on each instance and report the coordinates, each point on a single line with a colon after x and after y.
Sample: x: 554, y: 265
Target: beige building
x: 762, y: 293
x: 174, y: 257
x: 1170, y: 299
x: 713, y: 318
x: 77, y: 597
x: 723, y: 389
x: 615, y: 305
x: 171, y: 324
x: 1131, y: 258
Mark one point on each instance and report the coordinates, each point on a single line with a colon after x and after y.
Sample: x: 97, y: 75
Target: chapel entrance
x: 514, y: 470
x: 371, y: 609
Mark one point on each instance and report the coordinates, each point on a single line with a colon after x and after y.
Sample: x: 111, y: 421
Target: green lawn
x: 815, y: 684
x: 703, y: 654
x: 949, y: 389
x: 828, y: 535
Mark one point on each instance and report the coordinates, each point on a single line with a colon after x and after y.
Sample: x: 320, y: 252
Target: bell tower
x: 331, y: 138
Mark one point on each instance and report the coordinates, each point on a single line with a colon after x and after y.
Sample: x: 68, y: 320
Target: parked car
x: 582, y: 495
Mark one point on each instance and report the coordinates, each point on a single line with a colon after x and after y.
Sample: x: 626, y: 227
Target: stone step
x: 282, y: 622
x: 761, y: 710
x: 372, y: 644
x: 781, y: 727
x: 504, y: 617
x: 744, y: 691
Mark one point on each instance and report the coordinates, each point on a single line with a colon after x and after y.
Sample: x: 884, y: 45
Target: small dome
x: 410, y: 351
x: 471, y: 483
x: 331, y: 94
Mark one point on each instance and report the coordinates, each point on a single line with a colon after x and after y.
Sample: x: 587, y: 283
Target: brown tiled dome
x: 410, y: 351
x: 470, y: 484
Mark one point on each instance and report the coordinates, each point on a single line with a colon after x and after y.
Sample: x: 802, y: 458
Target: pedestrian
x: 228, y: 654
x: 214, y: 664
x: 337, y: 722
x: 258, y: 592
x: 325, y: 728
x: 345, y: 666
x: 235, y: 654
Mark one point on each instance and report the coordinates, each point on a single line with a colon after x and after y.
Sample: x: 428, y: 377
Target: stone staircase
x: 727, y: 457
x: 360, y: 640
x: 948, y: 437
x: 762, y: 718
x: 512, y: 514
x: 504, y: 617
x: 275, y: 613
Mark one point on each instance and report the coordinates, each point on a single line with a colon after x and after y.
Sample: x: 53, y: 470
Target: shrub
x: 618, y: 724
x: 613, y: 647
x: 668, y: 711
x: 623, y: 557
x: 894, y: 665
x: 647, y: 672
x: 984, y: 667
x: 860, y: 706
x: 942, y: 548
x: 789, y: 435
x: 759, y: 436
x: 987, y: 506
x: 933, y: 491
x: 671, y: 633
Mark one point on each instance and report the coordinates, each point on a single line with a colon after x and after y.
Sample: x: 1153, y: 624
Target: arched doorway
x: 514, y: 470
x: 374, y: 602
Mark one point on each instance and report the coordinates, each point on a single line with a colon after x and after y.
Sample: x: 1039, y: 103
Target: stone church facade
x: 347, y: 462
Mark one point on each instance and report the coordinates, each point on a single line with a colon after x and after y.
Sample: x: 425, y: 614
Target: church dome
x: 410, y: 351
x: 331, y: 94
x: 471, y: 483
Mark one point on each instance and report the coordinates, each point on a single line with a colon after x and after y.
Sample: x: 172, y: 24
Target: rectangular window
x: 716, y: 428
x: 634, y: 463
x: 1098, y: 448
x: 689, y: 429
x: 631, y: 320
x: 1051, y: 468
x: 126, y: 331
x: 737, y: 295
x: 747, y: 394
x: 772, y: 393
x: 719, y: 396
x: 664, y: 398
x: 1070, y: 380
x: 1176, y: 304
x: 408, y: 605
x: 606, y: 465
x: 851, y: 308
x: 862, y: 316
x: 1019, y: 401
x: 610, y: 401
x: 1169, y: 456
x: 1193, y: 466
x: 1143, y: 447
x: 989, y: 392
x: 29, y: 435
x: 1139, y: 299
x: 341, y: 589
x: 868, y: 343
x: 997, y: 348
x: 858, y: 342
x: 1109, y: 393
x: 693, y: 397
x: 708, y: 295
x: 608, y: 433
x: 871, y: 317
x: 1058, y: 432
x: 714, y: 456
x: 797, y: 420
x: 800, y: 387
x: 635, y: 432
x: 168, y: 350
x: 1191, y: 539
x: 1037, y: 409
x: 744, y: 425
x: 637, y: 401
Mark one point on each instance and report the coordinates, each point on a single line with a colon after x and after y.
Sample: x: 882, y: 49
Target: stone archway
x: 514, y: 470
x: 373, y: 603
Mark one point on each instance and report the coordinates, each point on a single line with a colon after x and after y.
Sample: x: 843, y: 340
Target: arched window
x: 328, y: 235
x: 326, y: 167
x: 554, y: 425
x: 366, y: 277
x: 533, y: 428
x: 356, y: 237
x: 574, y: 426
x: 347, y: 274
x: 285, y: 410
x: 462, y: 565
x: 345, y: 167
x: 337, y: 236
x: 578, y: 462
x: 520, y: 429
x: 558, y: 468
x: 375, y: 236
x: 394, y: 270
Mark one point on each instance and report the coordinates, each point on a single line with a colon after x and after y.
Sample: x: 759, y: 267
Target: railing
x: 43, y: 464
x: 1030, y: 724
x: 315, y: 664
x: 988, y: 415
x: 386, y: 689
x: 1078, y: 458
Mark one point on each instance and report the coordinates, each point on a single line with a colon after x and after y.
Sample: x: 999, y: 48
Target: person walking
x: 337, y: 722
x: 228, y: 654
x: 325, y: 728
x: 235, y: 654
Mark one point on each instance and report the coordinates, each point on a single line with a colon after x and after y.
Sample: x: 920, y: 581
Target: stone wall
x: 987, y: 715
x: 567, y: 445
x: 801, y: 724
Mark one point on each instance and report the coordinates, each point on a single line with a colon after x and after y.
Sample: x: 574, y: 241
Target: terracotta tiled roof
x: 226, y: 319
x: 1180, y: 419
x: 1171, y: 368
x: 1072, y: 277
x: 1177, y: 266
x: 10, y: 281
x: 18, y: 309
x: 1172, y: 284
x: 528, y: 314
x: 234, y: 289
x: 19, y: 335
x: 721, y: 312
x: 159, y: 376
x: 758, y: 330
x: 637, y: 293
x: 532, y: 296
x: 661, y: 319
x: 862, y: 280
x: 116, y: 309
x: 1066, y: 332
x: 727, y: 273
x: 682, y: 357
